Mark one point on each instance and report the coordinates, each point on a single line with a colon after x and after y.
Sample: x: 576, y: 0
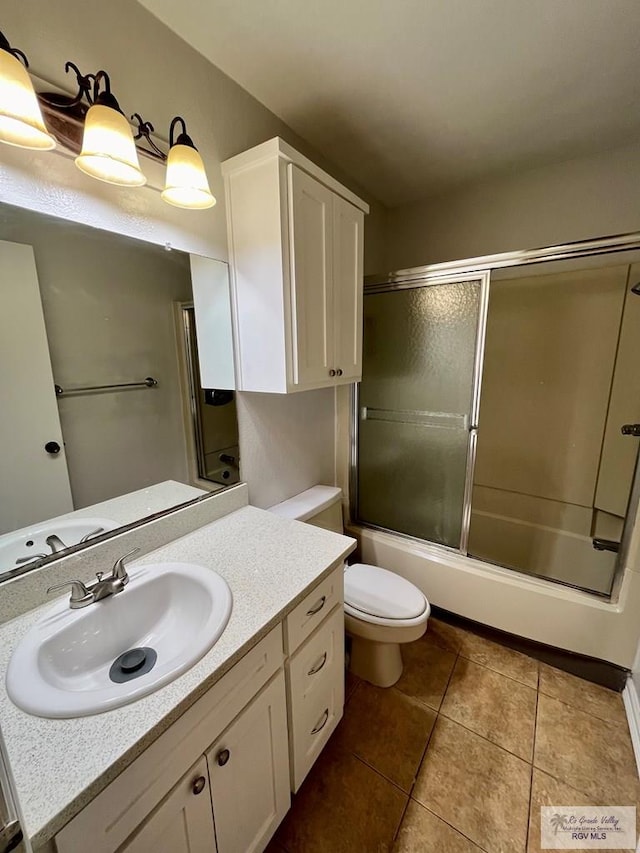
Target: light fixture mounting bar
x: 65, y: 115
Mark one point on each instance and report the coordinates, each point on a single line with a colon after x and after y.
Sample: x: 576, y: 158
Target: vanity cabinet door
x: 182, y: 822
x: 249, y: 772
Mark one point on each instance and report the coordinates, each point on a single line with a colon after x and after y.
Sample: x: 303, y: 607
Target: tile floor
x: 459, y: 756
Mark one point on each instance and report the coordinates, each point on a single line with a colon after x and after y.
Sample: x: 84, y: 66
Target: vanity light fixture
x: 186, y: 182
x: 108, y: 150
x: 97, y: 131
x: 21, y: 122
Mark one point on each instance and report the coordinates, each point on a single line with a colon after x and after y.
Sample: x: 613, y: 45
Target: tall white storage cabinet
x: 296, y: 246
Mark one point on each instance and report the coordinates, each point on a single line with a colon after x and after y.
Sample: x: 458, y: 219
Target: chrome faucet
x: 84, y: 594
x: 57, y: 546
x: 55, y: 543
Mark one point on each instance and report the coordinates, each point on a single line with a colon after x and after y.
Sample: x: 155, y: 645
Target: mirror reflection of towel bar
x: 149, y: 382
x: 442, y: 420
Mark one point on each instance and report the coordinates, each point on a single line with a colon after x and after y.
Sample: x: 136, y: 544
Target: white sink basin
x: 61, y: 668
x: 31, y: 541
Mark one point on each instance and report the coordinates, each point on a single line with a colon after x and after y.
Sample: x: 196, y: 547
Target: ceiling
x: 414, y: 97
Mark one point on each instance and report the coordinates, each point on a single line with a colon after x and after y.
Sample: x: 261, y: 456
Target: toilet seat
x: 381, y: 597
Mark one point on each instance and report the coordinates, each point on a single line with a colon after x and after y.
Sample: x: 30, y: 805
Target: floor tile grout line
x: 565, y: 782
x: 424, y: 751
x: 455, y: 828
x: 533, y: 755
x: 503, y: 674
x: 622, y: 723
x: 376, y: 771
x: 485, y: 738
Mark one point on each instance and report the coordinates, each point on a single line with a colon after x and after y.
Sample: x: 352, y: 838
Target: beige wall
x: 108, y: 303
x: 575, y: 200
x: 157, y: 74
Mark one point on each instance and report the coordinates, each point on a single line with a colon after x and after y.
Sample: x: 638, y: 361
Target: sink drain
x: 132, y: 664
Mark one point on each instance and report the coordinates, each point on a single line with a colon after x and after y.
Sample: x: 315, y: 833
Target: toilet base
x: 378, y: 663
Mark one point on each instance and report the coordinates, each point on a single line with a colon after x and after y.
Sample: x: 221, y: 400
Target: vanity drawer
x: 313, y: 726
x: 316, y: 693
x: 306, y: 617
x: 315, y: 661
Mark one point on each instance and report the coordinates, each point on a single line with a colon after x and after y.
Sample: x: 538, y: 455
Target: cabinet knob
x: 198, y: 785
x: 339, y: 371
x: 332, y: 372
x: 222, y: 757
x: 52, y: 447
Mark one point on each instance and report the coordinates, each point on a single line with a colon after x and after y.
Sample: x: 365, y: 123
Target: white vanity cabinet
x: 219, y: 779
x: 183, y: 822
x: 296, y: 242
x: 153, y: 806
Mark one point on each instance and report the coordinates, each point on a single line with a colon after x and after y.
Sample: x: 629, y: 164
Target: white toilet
x: 382, y: 609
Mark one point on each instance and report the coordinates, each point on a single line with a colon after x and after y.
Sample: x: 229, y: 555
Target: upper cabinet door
x: 310, y: 234
x: 348, y: 243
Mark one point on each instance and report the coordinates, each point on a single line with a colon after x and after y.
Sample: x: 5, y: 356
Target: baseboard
x: 592, y: 669
x: 632, y: 707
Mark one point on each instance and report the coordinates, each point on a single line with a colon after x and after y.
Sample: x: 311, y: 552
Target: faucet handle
x: 79, y: 592
x: 119, y: 570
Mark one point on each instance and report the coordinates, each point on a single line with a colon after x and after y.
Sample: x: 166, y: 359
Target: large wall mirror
x: 104, y: 417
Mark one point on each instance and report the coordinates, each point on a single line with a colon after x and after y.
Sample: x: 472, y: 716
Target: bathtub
x: 531, y: 607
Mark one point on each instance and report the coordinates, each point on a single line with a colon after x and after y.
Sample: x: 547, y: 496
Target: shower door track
x: 471, y: 266
x: 480, y: 268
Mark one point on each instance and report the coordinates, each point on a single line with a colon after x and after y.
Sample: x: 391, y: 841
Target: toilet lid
x: 379, y: 592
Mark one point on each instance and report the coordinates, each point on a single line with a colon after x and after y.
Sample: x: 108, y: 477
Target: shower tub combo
x: 486, y: 454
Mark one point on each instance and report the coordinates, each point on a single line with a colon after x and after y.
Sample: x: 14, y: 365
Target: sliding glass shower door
x: 417, y: 406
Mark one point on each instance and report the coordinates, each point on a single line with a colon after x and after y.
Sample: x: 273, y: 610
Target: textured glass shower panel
x: 415, y: 407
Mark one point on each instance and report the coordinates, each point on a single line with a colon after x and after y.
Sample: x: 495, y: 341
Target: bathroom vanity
x: 206, y: 763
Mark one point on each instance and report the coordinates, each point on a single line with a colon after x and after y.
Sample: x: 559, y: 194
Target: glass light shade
x: 21, y: 121
x: 108, y: 150
x: 186, y: 183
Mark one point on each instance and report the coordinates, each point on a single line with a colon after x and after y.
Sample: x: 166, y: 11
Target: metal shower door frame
x: 471, y: 268
x: 432, y: 280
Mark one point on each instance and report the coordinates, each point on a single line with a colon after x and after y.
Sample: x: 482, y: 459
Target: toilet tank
x: 319, y: 505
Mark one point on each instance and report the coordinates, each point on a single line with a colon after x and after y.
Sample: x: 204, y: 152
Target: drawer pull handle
x: 318, y: 607
x: 198, y: 785
x: 315, y: 669
x: 222, y: 757
x: 321, y: 725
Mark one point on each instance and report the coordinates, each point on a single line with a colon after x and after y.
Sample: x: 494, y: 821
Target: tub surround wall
x: 546, y: 480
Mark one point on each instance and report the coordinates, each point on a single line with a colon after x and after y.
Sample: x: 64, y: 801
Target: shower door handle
x: 630, y: 429
x: 606, y: 545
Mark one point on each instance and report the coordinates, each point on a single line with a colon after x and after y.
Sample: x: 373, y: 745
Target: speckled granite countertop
x: 270, y: 564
